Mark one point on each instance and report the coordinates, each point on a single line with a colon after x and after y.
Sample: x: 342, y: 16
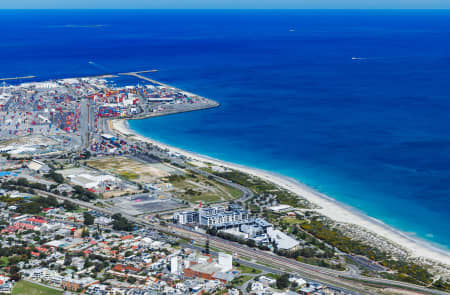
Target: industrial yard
x: 146, y: 203
x: 71, y: 114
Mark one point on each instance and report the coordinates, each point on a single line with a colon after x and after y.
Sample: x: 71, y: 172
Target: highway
x: 343, y: 280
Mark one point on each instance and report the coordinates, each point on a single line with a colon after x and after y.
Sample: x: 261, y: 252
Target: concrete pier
x: 137, y: 75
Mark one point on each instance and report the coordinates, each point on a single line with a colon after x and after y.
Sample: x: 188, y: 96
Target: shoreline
x: 335, y: 210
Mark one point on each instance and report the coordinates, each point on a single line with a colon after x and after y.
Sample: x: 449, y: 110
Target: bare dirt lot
x: 131, y: 169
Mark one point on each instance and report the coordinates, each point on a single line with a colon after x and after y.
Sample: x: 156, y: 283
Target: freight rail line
x: 299, y: 267
x: 340, y: 279
x: 284, y: 264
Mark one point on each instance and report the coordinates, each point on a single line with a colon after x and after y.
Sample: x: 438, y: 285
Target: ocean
x: 354, y: 104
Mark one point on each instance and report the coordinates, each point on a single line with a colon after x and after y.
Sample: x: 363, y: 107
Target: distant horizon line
x: 233, y: 9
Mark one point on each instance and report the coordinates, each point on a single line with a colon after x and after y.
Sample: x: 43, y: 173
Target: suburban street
x: 346, y: 280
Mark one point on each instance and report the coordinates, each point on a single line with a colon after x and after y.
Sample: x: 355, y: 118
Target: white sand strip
x: 330, y: 207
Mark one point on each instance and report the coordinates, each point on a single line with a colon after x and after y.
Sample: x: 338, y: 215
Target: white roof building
x: 38, y: 166
x: 300, y: 282
x: 91, y: 181
x: 225, y: 261
x: 280, y: 208
x: 282, y: 240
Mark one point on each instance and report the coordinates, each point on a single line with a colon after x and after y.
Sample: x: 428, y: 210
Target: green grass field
x: 272, y: 275
x: 129, y: 175
x: 292, y: 220
x: 247, y: 269
x: 27, y: 288
x: 239, y: 281
x: 3, y: 261
x: 195, y: 189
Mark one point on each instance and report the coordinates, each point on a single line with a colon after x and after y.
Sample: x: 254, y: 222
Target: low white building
x: 38, y: 166
x: 280, y: 208
x: 300, y: 282
x: 225, y: 261
x: 102, y: 220
x: 92, y: 181
x: 174, y: 264
x: 282, y: 241
x: 266, y: 280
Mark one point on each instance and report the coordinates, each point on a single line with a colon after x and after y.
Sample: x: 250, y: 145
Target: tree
x: 22, y: 182
x: 121, y: 223
x: 69, y: 206
x: 88, y: 218
x: 283, y: 281
x: 207, y: 246
x: 55, y: 176
x: 294, y: 286
x: 14, y: 273
x: 51, y: 201
x: 67, y: 260
x: 85, y: 233
x: 251, y: 243
x: 86, y: 154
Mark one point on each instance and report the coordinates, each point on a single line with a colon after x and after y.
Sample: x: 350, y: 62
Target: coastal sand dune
x: 329, y: 207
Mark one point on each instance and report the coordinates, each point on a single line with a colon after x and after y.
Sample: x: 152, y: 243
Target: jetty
x: 139, y: 76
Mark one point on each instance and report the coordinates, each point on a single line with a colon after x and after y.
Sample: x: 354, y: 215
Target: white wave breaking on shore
x: 331, y: 208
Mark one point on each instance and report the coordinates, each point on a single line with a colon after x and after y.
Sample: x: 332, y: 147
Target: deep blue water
x: 373, y: 133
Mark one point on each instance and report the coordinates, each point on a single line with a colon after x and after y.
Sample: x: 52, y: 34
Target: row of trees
x: 55, y: 176
x: 261, y: 187
x: 121, y: 223
x: 83, y: 194
x: 231, y: 237
x: 37, y: 204
x: 23, y: 185
x: 88, y: 218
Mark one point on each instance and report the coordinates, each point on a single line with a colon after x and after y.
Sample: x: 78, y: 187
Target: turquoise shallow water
x: 372, y: 132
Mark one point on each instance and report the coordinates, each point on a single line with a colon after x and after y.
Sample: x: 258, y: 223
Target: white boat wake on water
x: 96, y: 65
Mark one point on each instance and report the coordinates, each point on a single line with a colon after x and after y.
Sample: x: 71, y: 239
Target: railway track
x: 355, y: 284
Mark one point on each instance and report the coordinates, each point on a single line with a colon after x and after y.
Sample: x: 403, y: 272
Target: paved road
x: 85, y: 118
x: 246, y: 192
x: 330, y: 277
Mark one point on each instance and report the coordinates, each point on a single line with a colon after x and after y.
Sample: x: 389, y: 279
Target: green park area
x: 239, y: 281
x: 28, y: 288
x: 246, y: 269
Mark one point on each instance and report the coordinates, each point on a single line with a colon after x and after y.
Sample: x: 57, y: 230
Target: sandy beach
x: 329, y: 207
